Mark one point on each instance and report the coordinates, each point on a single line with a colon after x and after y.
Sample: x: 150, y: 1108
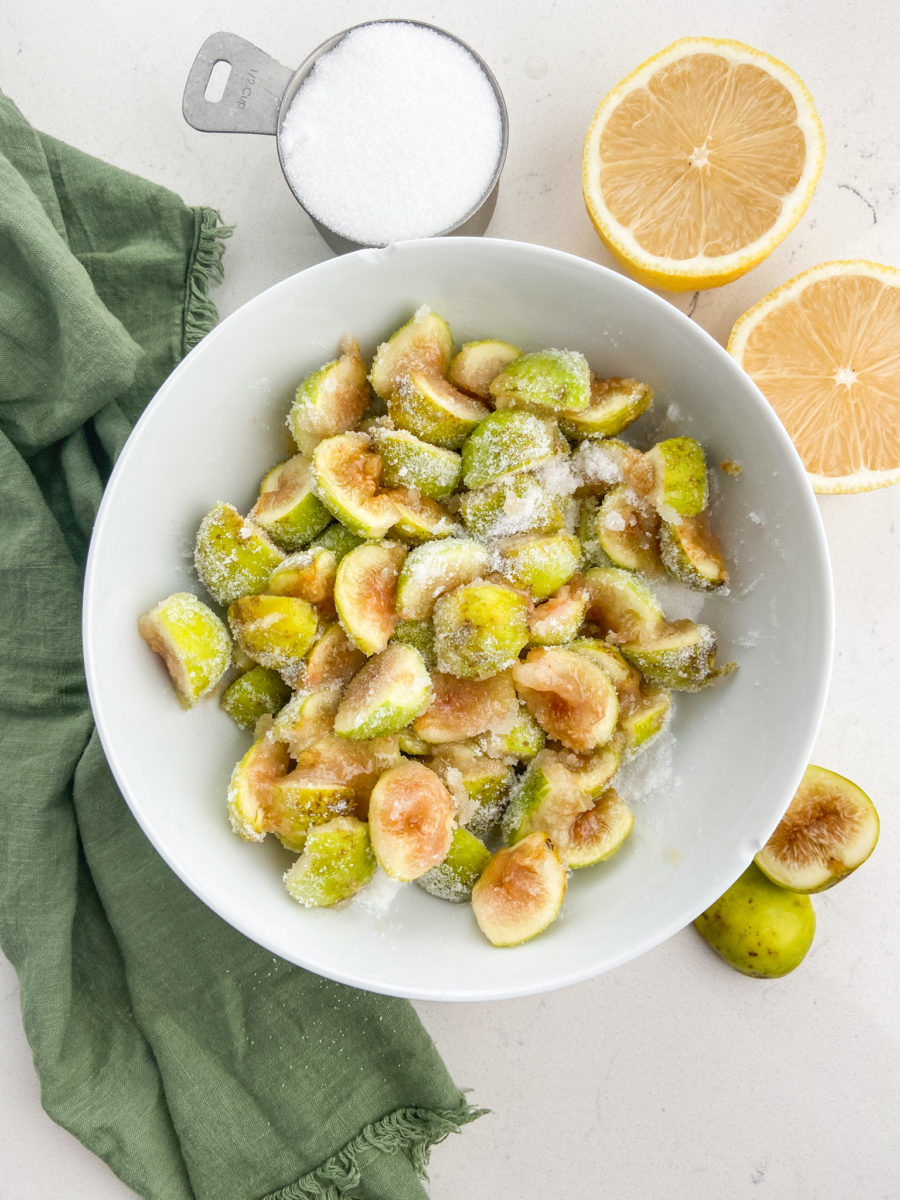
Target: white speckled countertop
x: 670, y: 1077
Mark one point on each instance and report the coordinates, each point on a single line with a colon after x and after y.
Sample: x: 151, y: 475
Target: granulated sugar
x: 394, y: 134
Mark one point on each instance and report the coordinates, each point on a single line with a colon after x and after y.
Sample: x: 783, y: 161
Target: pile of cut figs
x: 440, y: 626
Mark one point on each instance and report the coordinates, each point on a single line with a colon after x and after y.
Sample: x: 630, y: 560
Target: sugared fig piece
x: 554, y: 792
x: 308, y: 575
x: 505, y: 442
x: 758, y: 928
x: 341, y: 760
x: 419, y: 635
x: 330, y: 401
x: 830, y: 828
x: 692, y: 554
x: 478, y: 784
x: 306, y: 719
x: 516, y: 504
x: 520, y: 892
x: 250, y: 785
x: 333, y: 660
x: 620, y: 603
x: 476, y: 364
x: 277, y: 631
x: 298, y: 801
x: 254, y: 694
x: 558, y: 620
x: 479, y: 629
x: 424, y: 343
x: 338, y: 539
x: 288, y: 509
x: 549, y: 381
x: 679, y: 478
x: 643, y: 718
x: 454, y: 878
x: 191, y: 640
x: 348, y: 482
x: 539, y: 563
x: 419, y: 519
x: 569, y: 696
x: 429, y: 407
x: 411, y: 820
x: 626, y: 530
x: 390, y: 691
x: 597, y: 834
x: 464, y: 708
x: 681, y: 657
x: 337, y: 860
x: 365, y: 589
x: 431, y: 570
x: 411, y: 463
x: 615, y: 403
x: 232, y: 555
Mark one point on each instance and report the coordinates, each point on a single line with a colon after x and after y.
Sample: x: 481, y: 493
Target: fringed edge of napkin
x: 205, y: 269
x: 409, y: 1131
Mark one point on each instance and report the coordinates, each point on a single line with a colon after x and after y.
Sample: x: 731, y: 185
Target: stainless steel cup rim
x: 270, y: 117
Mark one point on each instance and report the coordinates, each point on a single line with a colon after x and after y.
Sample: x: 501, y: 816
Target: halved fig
x: 420, y: 519
x: 424, y: 343
x: 297, y: 802
x: 505, y: 442
x: 454, y: 878
x: 570, y: 697
x: 550, y: 381
x: 276, y: 631
x: 306, y: 719
x: 431, y: 408
x: 435, y: 568
x: 622, y: 605
x: 308, y: 575
x: 191, y: 640
x: 614, y: 404
x: 331, y: 400
x: 232, y: 555
x: 464, y: 708
x: 333, y: 660
x: 626, y: 679
x: 599, y: 464
x: 411, y: 463
x: 679, y: 478
x: 337, y: 861
x: 365, y: 589
x: 251, y: 782
x: 356, y: 764
x: 539, y: 563
x: 411, y: 820
x: 626, y: 530
x: 517, y: 504
x: 644, y: 719
x: 390, y: 691
x: 479, y: 629
x: 523, y: 742
x: 477, y: 364
x: 348, y: 482
x: 758, y: 928
x: 680, y: 657
x: 520, y: 892
x: 692, y: 553
x: 830, y: 828
x: 596, y: 835
x: 288, y: 508
x: 558, y: 620
x: 254, y: 694
x: 477, y: 782
x: 338, y: 539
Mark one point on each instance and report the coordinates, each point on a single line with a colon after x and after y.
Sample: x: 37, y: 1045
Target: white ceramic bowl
x: 705, y: 801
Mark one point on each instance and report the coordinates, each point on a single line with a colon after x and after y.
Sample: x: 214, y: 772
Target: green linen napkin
x: 191, y: 1060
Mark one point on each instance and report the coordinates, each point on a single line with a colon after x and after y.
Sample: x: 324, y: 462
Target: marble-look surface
x: 670, y: 1077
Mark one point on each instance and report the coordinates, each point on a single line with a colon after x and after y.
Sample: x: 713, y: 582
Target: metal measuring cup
x: 259, y: 91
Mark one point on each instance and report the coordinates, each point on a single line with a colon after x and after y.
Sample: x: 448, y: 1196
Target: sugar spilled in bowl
x: 388, y: 131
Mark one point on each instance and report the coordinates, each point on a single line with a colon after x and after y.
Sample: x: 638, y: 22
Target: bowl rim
x: 814, y: 701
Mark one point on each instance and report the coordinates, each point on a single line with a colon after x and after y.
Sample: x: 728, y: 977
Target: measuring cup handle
x: 253, y: 90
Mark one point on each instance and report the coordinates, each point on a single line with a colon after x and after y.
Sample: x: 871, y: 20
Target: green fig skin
x: 758, y: 928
